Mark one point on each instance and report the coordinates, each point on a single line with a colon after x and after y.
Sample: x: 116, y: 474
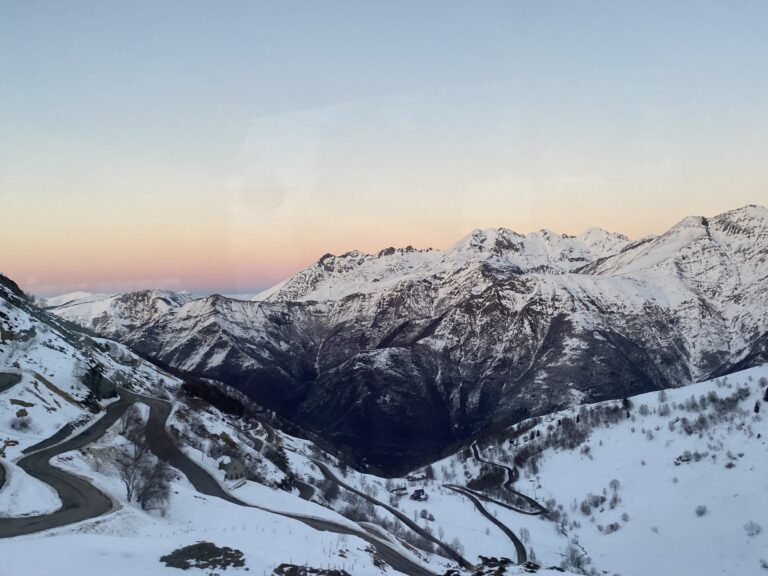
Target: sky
x: 222, y: 146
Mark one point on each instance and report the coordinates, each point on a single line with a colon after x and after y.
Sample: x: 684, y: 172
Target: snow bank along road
x: 82, y: 501
x: 7, y: 380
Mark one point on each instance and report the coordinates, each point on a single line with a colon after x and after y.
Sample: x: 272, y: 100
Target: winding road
x: 82, y: 501
x: 512, y: 477
x: 397, y: 514
x: 475, y: 497
x: 522, y: 554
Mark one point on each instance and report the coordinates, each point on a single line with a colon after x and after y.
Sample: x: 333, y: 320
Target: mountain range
x: 398, y: 356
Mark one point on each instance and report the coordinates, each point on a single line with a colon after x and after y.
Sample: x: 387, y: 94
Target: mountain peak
x: 482, y: 240
x: 751, y: 213
x: 597, y: 232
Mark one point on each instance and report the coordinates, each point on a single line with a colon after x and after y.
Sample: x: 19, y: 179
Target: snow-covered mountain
x: 399, y: 354
x: 115, y: 315
x: 335, y: 277
x: 586, y: 490
x: 240, y: 495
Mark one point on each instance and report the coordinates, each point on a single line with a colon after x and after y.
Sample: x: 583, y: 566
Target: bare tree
x: 146, y: 479
x: 131, y: 423
x: 155, y: 486
x: 457, y: 546
x: 131, y: 465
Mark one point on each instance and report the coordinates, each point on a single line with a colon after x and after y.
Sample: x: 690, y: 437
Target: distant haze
x: 222, y: 147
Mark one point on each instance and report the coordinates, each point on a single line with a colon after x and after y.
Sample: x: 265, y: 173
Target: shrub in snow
x: 21, y: 423
x: 330, y: 490
x: 279, y: 458
x: 204, y: 555
x: 574, y: 560
x: 701, y: 510
x: 612, y: 527
x: 418, y: 541
x: 752, y: 528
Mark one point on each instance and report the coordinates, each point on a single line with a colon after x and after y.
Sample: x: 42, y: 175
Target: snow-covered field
x: 690, y: 517
x: 663, y: 533
x: 130, y: 542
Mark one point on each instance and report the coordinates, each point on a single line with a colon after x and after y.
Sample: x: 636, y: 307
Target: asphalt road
x: 62, y: 433
x: 82, y: 501
x: 475, y: 497
x: 8, y: 380
x: 482, y: 496
x: 522, y: 555
x: 512, y: 476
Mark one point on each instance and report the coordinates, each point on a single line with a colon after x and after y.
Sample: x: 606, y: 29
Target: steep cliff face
x: 399, y: 354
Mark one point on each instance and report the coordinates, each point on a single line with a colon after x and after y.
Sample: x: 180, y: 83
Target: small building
x: 419, y: 495
x: 233, y: 470
x: 399, y: 491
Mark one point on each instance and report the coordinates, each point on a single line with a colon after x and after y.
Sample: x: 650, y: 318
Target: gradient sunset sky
x: 221, y: 146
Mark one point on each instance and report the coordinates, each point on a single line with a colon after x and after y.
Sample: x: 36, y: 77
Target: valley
x: 568, y: 490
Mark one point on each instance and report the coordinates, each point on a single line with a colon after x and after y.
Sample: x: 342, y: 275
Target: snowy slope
x: 699, y: 446
x: 77, y: 297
